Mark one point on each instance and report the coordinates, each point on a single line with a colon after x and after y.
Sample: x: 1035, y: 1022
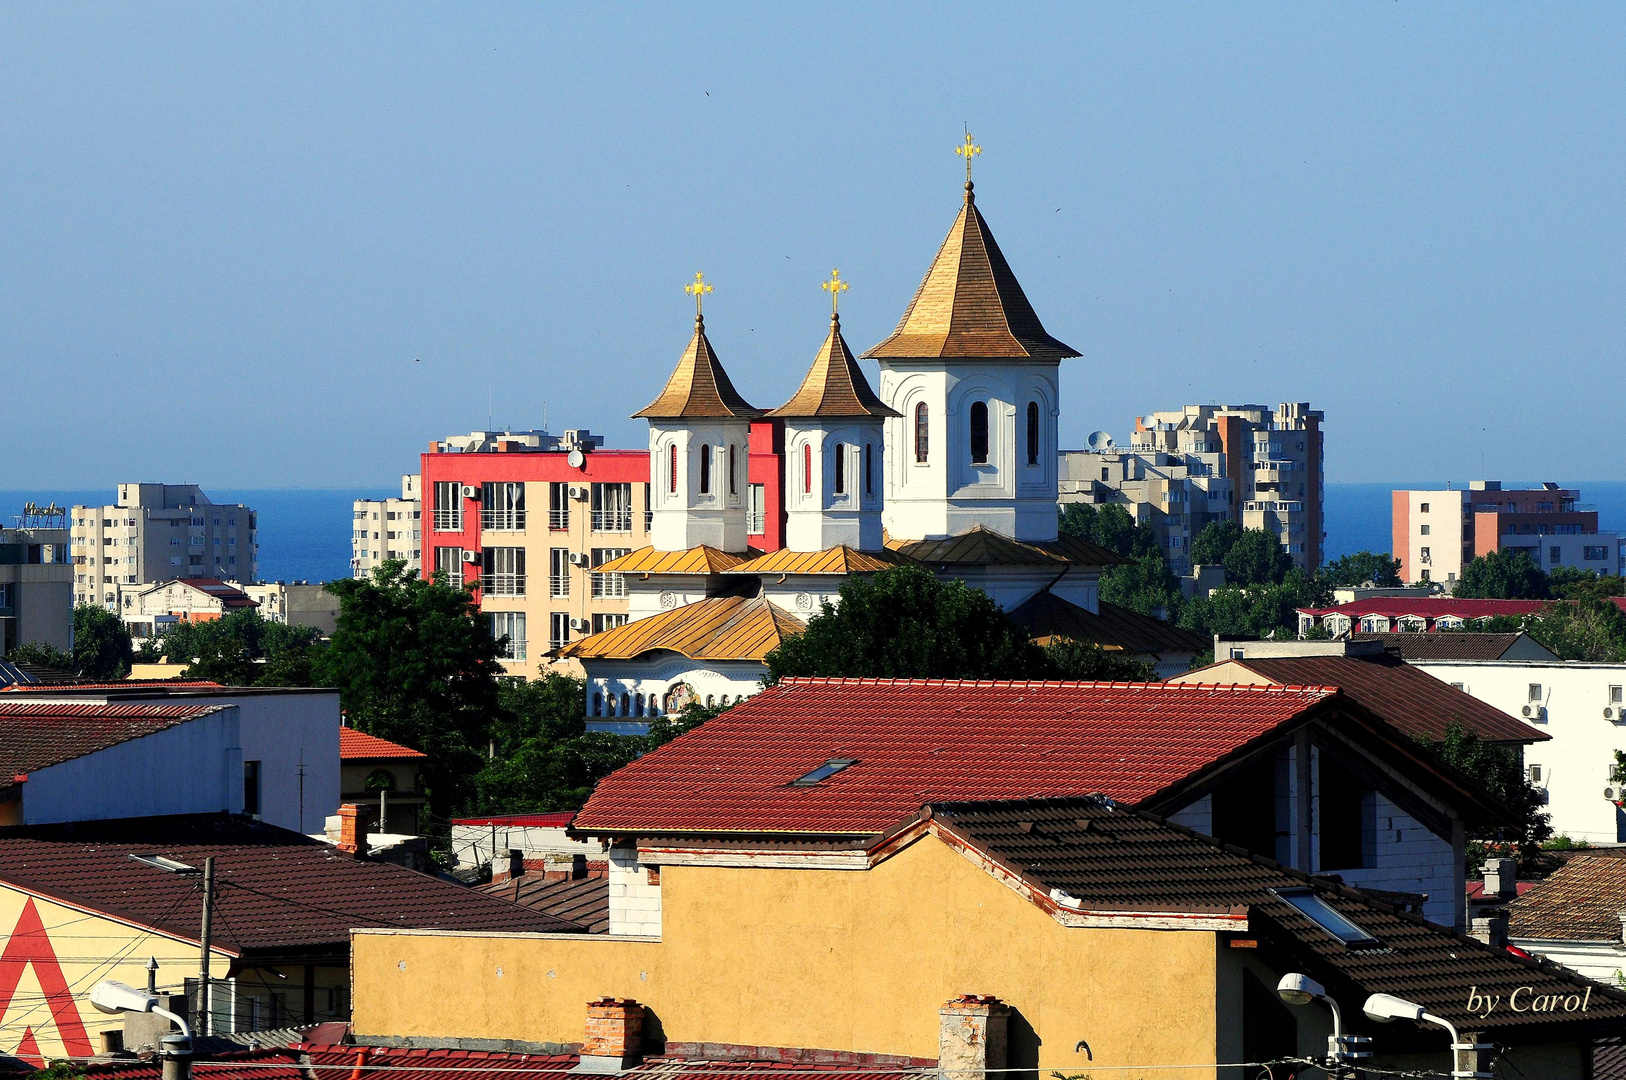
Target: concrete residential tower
x: 160, y: 532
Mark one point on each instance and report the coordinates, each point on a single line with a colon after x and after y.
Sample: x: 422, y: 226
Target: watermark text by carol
x: 1526, y: 1000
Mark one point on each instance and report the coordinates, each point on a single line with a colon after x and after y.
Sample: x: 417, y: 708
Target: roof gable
x: 37, y: 735
x: 359, y: 746
x: 698, y: 387
x: 834, y: 386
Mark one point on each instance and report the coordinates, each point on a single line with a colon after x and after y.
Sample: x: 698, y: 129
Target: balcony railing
x: 755, y: 522
x: 612, y: 521
x: 514, y: 650
x: 503, y: 584
x: 502, y: 520
x: 448, y: 521
x: 558, y: 585
x: 559, y: 519
x: 1275, y: 507
x: 609, y: 586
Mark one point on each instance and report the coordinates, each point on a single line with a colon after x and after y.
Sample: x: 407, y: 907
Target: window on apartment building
x: 1423, y: 530
x: 1423, y: 553
x: 502, y: 505
x: 558, y: 505
x: 558, y: 571
x: 1423, y: 575
x: 558, y: 629
x: 1033, y: 433
x: 705, y: 468
x: 607, y: 620
x: 979, y: 433
x: 733, y: 489
x: 1103, y: 474
x: 1555, y: 555
x: 869, y: 469
x: 1349, y: 819
x: 251, y: 787
x: 508, y: 629
x: 1534, y: 693
x: 449, y: 561
x: 922, y: 435
x: 612, y: 507
x: 1615, y: 694
x: 1424, y: 508
x: 504, y: 571
x: 1594, y: 554
x: 841, y: 469
x: 756, y: 509
x: 448, y: 506
x: 606, y: 586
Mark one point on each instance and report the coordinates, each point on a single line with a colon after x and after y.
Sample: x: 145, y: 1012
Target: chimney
x: 1491, y: 929
x: 615, y: 1030
x: 112, y: 1041
x: 1501, y: 878
x: 352, y: 831
x: 971, y: 1037
x: 516, y: 863
x: 1622, y: 916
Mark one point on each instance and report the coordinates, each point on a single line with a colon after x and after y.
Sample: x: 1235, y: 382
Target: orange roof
x: 695, y: 560
x: 721, y: 628
x: 834, y: 386
x: 699, y: 386
x: 358, y: 745
x: 837, y: 560
x: 970, y: 304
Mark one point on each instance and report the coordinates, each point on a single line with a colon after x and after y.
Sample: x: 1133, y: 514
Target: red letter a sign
x: 30, y: 945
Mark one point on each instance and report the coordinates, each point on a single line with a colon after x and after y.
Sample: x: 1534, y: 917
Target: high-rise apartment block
x: 36, y: 582
x: 1436, y: 533
x: 160, y: 532
x: 388, y: 529
x: 1256, y: 466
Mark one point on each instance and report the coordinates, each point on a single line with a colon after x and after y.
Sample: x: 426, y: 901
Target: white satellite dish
x: 1100, y: 440
x: 576, y: 458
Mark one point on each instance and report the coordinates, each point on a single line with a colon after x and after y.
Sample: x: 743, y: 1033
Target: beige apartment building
x: 159, y: 532
x: 1436, y: 533
x: 388, y: 529
x: 36, y: 584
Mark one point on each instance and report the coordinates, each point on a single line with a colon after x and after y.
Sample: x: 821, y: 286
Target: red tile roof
x: 1432, y: 608
x: 391, y: 1063
x: 358, y: 745
x: 1582, y: 900
x: 127, y: 684
x: 554, y: 820
x: 219, y: 1065
x: 916, y: 741
x: 34, y: 735
x: 583, y: 901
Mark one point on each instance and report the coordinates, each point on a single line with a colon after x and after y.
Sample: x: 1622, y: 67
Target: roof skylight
x: 1327, y: 917
x: 823, y: 772
x: 169, y: 866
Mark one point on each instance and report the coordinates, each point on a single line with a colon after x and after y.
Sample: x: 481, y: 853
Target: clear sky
x: 283, y: 245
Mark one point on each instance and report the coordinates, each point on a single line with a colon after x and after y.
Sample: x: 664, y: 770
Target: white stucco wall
x: 688, y: 518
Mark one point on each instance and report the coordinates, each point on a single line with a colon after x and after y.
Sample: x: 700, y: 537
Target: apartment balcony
x: 1275, y: 507
x: 502, y: 584
x: 515, y: 650
x: 619, y: 521
x: 502, y: 520
x: 559, y: 520
x: 449, y: 521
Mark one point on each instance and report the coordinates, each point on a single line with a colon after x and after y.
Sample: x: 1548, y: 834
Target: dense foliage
x: 1362, y: 568
x: 240, y: 649
x: 1500, y: 770
x: 101, y: 647
x: 1507, y: 574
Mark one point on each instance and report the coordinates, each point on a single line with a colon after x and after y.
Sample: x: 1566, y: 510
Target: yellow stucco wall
x: 842, y: 960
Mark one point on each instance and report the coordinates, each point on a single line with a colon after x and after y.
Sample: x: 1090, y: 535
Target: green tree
x: 414, y: 662
x: 1146, y: 585
x: 244, y: 649
x: 1574, y: 583
x: 1111, y: 527
x: 1507, y: 574
x: 1257, y: 611
x: 1086, y: 661
x: 43, y: 654
x: 1257, y: 558
x: 1358, y: 568
x: 1215, y: 542
x: 541, y: 757
x: 101, y: 644
x: 1591, y: 629
x: 1500, y: 770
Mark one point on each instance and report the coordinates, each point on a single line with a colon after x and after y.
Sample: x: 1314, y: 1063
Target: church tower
x: 972, y: 380
x: 699, y: 438
x: 834, y: 468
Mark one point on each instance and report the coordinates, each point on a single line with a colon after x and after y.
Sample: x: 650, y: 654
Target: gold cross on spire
x: 835, y: 287
x: 698, y: 288
x: 968, y: 150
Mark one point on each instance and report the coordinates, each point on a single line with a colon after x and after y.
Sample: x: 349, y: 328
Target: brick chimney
x: 352, y: 831
x: 971, y: 1037
x: 615, y: 1036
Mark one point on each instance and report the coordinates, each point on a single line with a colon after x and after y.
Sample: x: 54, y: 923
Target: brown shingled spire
x: 834, y: 385
x: 699, y: 387
x: 970, y: 304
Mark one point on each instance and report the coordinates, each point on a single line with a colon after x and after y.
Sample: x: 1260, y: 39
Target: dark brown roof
x: 34, y: 735
x: 583, y: 901
x: 970, y: 305
x: 1045, y: 616
x: 1444, y: 645
x: 981, y: 546
x: 1414, y: 701
x: 277, y: 891
x: 1111, y: 858
x: 834, y: 386
x: 1581, y: 901
x: 698, y: 387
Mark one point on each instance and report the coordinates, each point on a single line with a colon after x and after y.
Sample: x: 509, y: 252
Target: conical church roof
x: 699, y: 387
x: 970, y: 305
x: 834, y: 385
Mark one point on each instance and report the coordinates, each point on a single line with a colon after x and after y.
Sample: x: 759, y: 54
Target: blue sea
x: 305, y: 533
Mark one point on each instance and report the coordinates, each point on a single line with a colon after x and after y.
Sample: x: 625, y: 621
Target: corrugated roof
x: 1112, y: 858
x: 1047, y: 617
x: 720, y: 628
x: 916, y: 741
x: 277, y: 1064
x: 1582, y: 900
x: 970, y: 304
x: 695, y: 560
x: 1396, y: 607
x: 834, y: 386
x: 1410, y: 700
x: 1452, y: 646
x: 276, y: 890
x: 981, y: 546
x: 48, y: 689
x: 836, y: 560
x: 358, y: 745
x: 583, y: 901
x: 229, y: 595
x: 557, y: 819
x: 391, y: 1063
x: 35, y: 735
x: 699, y: 387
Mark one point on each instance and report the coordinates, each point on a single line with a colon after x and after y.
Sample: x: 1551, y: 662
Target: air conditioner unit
x: 1615, y: 792
x: 578, y: 491
x: 1535, y: 712
x: 470, y: 491
x: 1608, y: 713
x: 579, y: 624
x: 579, y: 558
x: 471, y: 556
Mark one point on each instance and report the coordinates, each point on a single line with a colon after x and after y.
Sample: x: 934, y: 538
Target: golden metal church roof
x: 840, y: 559
x: 834, y: 385
x: 699, y: 386
x: 695, y: 560
x: 721, y: 628
x: 970, y: 305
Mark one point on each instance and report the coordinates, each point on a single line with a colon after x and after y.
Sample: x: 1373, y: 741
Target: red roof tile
x: 391, y: 1063
x: 1431, y: 608
x: 126, y: 684
x: 557, y: 820
x: 361, y: 746
x: 219, y: 1065
x: 916, y: 741
x: 34, y: 735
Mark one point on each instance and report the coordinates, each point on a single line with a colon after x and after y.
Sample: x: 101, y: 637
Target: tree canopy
x: 1362, y: 567
x: 1211, y: 545
x: 241, y: 649
x: 1501, y: 771
x: 101, y: 647
x: 1507, y: 574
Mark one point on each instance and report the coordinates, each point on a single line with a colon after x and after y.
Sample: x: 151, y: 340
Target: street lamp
x: 1386, y: 1007
x: 116, y: 997
x: 1299, y: 989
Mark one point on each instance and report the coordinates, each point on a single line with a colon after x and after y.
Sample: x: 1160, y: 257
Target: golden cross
x: 698, y: 288
x: 835, y: 287
x: 968, y: 150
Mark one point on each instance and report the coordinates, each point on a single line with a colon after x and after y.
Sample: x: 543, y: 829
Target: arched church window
x: 732, y: 489
x: 807, y: 468
x: 1033, y: 433
x: 869, y: 469
x: 638, y: 705
x: 841, y: 469
x: 979, y: 433
x: 672, y: 454
x: 705, y: 469
x: 626, y: 701
x: 922, y: 438
x: 598, y: 704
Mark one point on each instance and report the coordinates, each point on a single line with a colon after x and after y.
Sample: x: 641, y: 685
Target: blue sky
x: 260, y: 246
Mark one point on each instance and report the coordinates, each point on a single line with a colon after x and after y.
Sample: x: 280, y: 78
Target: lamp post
x: 1299, y: 989
x: 1386, y: 1007
x: 116, y: 997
